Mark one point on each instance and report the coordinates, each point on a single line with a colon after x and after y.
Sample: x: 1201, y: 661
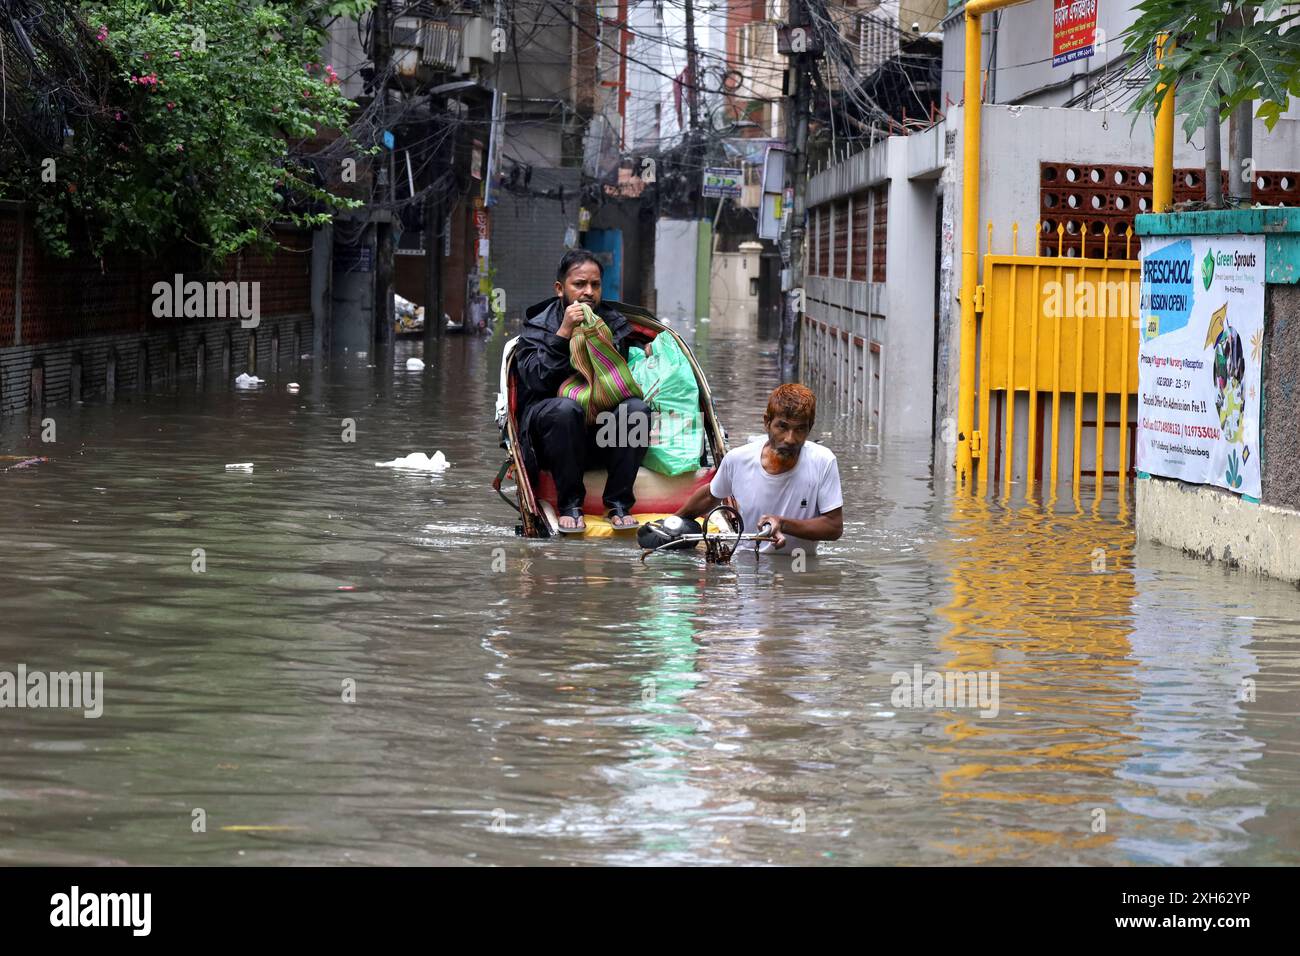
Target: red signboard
x: 1074, y: 30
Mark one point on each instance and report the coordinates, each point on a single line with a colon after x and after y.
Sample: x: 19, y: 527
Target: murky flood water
x: 560, y: 702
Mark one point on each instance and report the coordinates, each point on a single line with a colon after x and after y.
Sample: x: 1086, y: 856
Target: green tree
x: 196, y: 132
x: 1257, y: 60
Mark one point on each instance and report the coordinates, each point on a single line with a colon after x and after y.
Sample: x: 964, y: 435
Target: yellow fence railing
x: 1058, y: 326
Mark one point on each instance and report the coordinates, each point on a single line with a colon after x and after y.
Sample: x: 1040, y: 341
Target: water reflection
x: 539, y: 701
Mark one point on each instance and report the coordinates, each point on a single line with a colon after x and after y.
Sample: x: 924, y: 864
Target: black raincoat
x: 542, y: 361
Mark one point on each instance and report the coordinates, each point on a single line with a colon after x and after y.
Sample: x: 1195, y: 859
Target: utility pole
x: 693, y: 100
x: 693, y: 111
x: 382, y: 57
x: 434, y: 327
x: 796, y: 142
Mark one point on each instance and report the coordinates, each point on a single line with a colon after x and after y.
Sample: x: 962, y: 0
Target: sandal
x: 580, y: 523
x: 620, y: 512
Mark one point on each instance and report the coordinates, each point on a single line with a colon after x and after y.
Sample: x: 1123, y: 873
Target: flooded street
x: 559, y: 701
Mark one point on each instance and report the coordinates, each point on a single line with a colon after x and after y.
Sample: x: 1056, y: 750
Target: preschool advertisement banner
x: 1202, y: 315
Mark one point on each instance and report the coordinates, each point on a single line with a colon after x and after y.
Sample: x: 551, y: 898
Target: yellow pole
x: 970, y: 218
x: 1163, y: 165
x: 970, y: 241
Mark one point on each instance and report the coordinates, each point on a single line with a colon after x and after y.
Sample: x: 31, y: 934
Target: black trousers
x: 566, y: 447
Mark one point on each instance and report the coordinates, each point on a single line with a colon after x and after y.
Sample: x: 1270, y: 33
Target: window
x: 753, y: 286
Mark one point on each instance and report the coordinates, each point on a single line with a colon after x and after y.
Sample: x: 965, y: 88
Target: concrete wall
x: 538, y: 54
x: 352, y: 289
x: 1021, y: 68
x: 676, y: 242
x: 731, y: 303
x: 898, y: 315
x: 1280, y: 438
x: 1210, y: 523
x: 910, y: 323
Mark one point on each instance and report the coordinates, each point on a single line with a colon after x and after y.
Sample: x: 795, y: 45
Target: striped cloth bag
x: 602, y: 379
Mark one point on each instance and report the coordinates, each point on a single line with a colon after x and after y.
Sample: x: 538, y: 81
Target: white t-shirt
x: 809, y: 489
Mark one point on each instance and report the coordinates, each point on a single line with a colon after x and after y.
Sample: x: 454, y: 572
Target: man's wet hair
x: 792, y: 401
x: 576, y: 257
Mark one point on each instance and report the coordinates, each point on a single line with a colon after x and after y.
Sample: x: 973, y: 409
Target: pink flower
x: 118, y: 115
x: 171, y: 105
x: 176, y: 54
x: 180, y: 148
x: 102, y: 35
x: 147, y: 55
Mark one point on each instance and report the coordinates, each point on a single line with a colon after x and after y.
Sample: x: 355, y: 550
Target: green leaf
x: 1270, y: 113
x: 1260, y: 61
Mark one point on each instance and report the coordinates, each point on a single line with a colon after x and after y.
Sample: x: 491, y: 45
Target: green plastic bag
x: 668, y: 383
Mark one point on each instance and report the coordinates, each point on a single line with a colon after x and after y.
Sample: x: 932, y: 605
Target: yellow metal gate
x: 1064, y: 328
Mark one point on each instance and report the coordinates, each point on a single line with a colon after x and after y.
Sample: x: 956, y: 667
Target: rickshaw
x: 656, y: 495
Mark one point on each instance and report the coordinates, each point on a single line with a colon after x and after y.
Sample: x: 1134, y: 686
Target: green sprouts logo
x: 1207, y: 268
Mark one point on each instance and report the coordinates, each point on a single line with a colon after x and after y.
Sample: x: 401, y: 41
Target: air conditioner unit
x: 440, y: 45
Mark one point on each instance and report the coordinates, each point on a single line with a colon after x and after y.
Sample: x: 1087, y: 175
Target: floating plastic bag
x: 418, y: 461
x: 668, y: 383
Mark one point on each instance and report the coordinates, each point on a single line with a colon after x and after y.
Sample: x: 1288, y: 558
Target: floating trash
x: 414, y: 364
x: 418, y: 461
x: 248, y: 381
x: 260, y: 828
x: 293, y: 386
x: 240, y: 466
x: 28, y: 462
x: 408, y: 317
